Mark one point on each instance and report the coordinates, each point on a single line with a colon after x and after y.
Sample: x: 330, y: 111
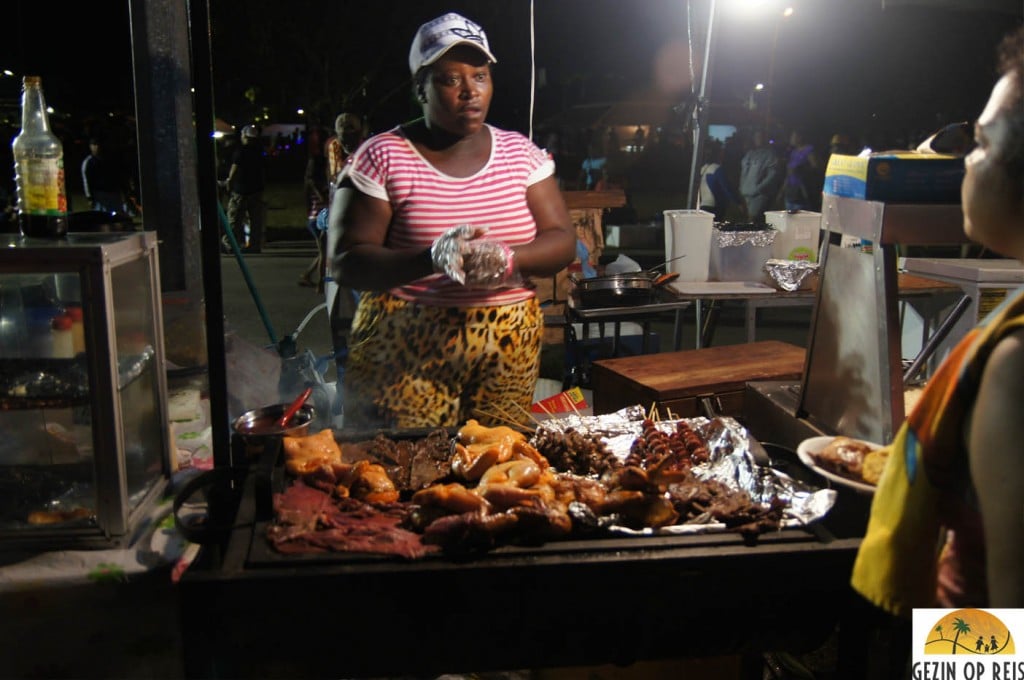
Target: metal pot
x: 614, y: 290
x: 259, y: 428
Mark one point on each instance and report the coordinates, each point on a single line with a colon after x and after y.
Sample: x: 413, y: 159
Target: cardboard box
x: 896, y: 176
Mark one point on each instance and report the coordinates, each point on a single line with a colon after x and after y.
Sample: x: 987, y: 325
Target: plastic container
x: 688, y: 232
x: 61, y: 337
x: 799, y: 234
x: 74, y: 312
x: 738, y: 253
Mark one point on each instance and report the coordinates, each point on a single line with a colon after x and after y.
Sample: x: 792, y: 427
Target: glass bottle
x: 39, y: 168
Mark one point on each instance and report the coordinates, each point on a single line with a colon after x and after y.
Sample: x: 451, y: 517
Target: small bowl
x: 262, y: 422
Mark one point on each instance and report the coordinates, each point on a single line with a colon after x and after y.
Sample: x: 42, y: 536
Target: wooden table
x: 918, y: 291
x: 927, y: 296
x: 677, y: 381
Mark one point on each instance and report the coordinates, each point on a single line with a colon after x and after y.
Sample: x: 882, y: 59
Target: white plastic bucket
x: 688, y: 232
x: 798, y: 235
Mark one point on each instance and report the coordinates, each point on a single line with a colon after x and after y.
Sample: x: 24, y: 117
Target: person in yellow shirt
x: 947, y: 520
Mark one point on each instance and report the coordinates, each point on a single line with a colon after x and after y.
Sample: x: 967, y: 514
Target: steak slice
x: 311, y: 521
x: 432, y: 460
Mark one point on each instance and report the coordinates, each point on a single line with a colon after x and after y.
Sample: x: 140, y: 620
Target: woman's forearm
x: 370, y: 267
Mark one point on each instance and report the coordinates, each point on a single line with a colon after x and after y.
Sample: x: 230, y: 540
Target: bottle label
x: 43, y: 186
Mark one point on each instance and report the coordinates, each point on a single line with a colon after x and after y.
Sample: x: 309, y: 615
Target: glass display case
x: 85, y: 450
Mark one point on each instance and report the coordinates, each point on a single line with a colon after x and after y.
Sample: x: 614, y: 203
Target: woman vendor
x: 447, y: 220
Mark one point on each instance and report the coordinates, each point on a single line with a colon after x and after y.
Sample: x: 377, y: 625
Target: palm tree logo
x: 960, y: 626
x: 971, y: 628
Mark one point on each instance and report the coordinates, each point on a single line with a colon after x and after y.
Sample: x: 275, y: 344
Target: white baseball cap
x: 436, y: 37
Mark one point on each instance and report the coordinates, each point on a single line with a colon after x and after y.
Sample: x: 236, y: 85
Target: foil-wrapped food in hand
x: 489, y: 264
x: 446, y: 253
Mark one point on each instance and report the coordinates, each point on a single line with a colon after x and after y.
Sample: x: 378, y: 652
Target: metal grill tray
x: 268, y: 476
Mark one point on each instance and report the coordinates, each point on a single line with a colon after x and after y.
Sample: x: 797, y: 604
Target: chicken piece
x: 332, y: 478
x: 470, y: 531
x: 541, y: 523
x: 515, y: 483
x: 669, y: 469
x: 470, y: 462
x: 303, y: 455
x: 479, y: 447
x: 526, y: 450
x: 844, y: 456
x: 450, y: 497
x: 521, y: 473
x: 637, y: 509
x: 475, y: 433
x: 370, y: 482
x: 618, y: 499
x: 629, y: 477
x: 572, y: 489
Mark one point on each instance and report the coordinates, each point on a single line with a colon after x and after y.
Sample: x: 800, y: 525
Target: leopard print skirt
x: 418, y: 366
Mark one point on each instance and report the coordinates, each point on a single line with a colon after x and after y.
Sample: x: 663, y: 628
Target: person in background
x: 447, y: 220
x: 349, y: 133
x: 804, y: 175
x: 715, y: 195
x: 759, y: 177
x: 103, y: 179
x: 594, y: 169
x: 245, y: 184
x: 946, y: 527
x: 639, y: 137
x: 841, y: 144
x: 316, y: 186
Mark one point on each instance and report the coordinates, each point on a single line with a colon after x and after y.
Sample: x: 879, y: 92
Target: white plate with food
x: 846, y: 461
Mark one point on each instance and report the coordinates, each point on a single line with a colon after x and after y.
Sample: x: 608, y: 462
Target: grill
x: 587, y: 601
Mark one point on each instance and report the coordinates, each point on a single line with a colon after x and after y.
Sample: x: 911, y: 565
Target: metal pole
x: 700, y: 112
x: 202, y: 59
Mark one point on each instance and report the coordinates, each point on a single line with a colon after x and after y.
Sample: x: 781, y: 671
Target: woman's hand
x: 490, y: 264
x: 448, y: 250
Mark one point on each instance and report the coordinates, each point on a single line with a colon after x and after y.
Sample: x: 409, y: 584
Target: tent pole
x: 700, y: 112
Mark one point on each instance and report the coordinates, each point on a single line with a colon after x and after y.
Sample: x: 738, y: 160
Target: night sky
x: 837, y: 63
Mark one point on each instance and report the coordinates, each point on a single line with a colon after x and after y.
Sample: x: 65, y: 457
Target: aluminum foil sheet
x: 726, y: 238
x: 791, y: 275
x: 731, y: 462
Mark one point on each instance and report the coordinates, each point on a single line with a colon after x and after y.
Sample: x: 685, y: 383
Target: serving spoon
x: 294, y: 407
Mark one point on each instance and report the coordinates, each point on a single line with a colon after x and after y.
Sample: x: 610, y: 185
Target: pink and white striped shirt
x: 426, y: 202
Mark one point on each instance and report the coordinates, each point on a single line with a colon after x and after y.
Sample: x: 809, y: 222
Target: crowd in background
x: 654, y: 174
x: 651, y: 165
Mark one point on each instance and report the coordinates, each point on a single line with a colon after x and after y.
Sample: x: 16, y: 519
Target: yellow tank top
x: 925, y: 494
